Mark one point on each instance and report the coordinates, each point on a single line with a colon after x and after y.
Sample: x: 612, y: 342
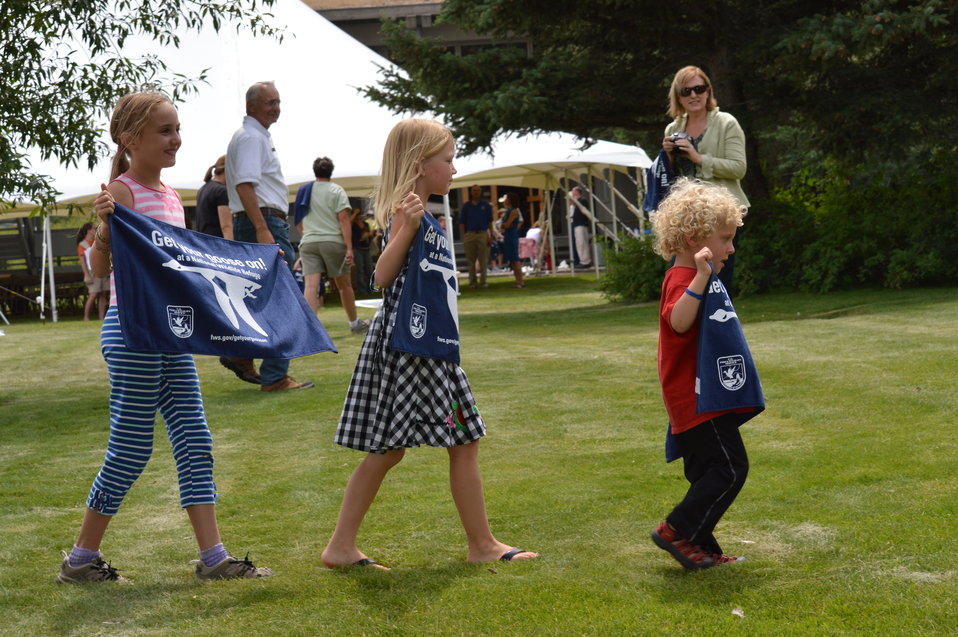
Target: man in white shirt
x: 259, y: 201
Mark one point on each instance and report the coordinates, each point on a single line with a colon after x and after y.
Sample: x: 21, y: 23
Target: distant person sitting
x: 326, y: 245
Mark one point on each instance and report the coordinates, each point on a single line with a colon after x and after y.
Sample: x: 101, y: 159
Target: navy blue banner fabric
x: 180, y: 291
x: 658, y: 179
x: 726, y: 377
x: 427, y: 321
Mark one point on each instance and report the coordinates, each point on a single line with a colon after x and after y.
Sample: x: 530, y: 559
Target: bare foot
x: 333, y: 559
x: 502, y: 552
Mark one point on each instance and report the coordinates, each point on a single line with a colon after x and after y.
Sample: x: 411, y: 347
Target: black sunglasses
x: 685, y: 91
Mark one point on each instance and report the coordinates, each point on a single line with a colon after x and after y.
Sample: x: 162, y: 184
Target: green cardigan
x: 723, y: 152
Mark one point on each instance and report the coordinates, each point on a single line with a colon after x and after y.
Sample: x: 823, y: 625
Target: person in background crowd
x: 511, y: 220
x: 363, y: 261
x: 98, y: 287
x: 581, y: 228
x: 705, y: 142
x: 326, y: 244
x: 258, y: 199
x: 476, y: 229
x: 213, y: 216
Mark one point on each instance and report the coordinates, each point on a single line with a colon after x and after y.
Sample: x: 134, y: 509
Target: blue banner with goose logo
x: 427, y: 320
x: 725, y: 374
x: 181, y: 291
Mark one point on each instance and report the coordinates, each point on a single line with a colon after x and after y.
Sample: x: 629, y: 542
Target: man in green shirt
x: 326, y: 243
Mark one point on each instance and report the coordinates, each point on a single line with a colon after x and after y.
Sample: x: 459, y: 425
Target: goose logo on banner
x: 725, y: 374
x: 181, y: 320
x: 180, y: 291
x: 417, y: 321
x: 731, y: 370
x: 430, y: 290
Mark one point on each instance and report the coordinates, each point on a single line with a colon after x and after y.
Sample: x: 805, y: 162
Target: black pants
x: 716, y: 466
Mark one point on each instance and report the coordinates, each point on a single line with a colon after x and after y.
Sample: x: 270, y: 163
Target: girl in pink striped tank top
x: 146, y: 129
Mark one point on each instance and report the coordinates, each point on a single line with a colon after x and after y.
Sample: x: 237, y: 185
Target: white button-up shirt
x: 251, y: 158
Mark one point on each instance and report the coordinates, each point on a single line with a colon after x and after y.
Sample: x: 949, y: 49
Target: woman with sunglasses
x: 705, y: 143
x: 713, y: 147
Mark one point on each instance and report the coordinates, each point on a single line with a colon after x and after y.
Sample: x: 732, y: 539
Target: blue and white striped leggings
x: 141, y: 383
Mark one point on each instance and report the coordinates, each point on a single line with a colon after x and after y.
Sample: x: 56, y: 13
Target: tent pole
x: 595, y: 244
x: 447, y: 215
x: 43, y: 267
x: 610, y: 179
x: 48, y: 241
x: 545, y: 234
x: 568, y: 223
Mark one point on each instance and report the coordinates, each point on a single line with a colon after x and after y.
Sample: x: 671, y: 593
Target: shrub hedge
x: 883, y: 226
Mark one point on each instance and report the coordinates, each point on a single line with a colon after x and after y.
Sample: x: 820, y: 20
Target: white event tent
x: 318, y: 70
x: 552, y: 161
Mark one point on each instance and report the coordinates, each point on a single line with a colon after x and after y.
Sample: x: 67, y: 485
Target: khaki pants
x: 476, y: 246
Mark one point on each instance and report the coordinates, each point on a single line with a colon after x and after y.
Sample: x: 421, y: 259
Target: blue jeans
x: 272, y: 369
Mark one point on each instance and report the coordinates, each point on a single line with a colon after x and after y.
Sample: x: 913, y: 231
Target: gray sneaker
x: 361, y: 327
x: 231, y: 568
x: 95, y: 571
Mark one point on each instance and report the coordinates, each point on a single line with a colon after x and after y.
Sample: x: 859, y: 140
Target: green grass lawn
x: 847, y: 518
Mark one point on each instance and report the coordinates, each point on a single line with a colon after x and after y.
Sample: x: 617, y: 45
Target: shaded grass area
x: 847, y: 516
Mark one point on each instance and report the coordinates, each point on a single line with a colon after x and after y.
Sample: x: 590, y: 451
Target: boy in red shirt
x: 695, y: 224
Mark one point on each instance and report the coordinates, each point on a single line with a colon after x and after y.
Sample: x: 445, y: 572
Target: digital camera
x: 674, y: 137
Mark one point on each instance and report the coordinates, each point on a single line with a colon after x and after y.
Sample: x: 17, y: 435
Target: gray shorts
x: 326, y: 257
x: 100, y: 284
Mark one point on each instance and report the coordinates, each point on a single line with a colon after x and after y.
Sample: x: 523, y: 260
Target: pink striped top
x: 163, y: 205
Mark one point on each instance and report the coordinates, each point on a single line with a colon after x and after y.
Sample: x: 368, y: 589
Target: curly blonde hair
x: 693, y: 210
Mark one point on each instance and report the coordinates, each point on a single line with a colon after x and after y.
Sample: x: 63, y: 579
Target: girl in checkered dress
x: 397, y: 400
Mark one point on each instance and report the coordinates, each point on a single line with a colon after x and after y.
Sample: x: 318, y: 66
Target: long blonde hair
x: 131, y: 114
x: 409, y: 141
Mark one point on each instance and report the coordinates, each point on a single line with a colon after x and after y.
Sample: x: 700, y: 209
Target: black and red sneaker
x: 691, y: 556
x: 722, y: 558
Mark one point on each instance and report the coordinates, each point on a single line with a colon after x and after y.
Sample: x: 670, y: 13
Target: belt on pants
x: 272, y: 212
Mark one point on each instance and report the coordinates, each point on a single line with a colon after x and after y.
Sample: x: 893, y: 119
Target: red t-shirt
x: 677, y: 354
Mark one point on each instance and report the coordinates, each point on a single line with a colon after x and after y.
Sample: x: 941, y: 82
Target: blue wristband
x: 695, y: 295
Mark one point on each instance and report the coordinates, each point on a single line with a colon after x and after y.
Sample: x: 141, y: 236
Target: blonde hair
x: 130, y: 116
x: 409, y: 141
x: 676, y: 110
x: 693, y: 210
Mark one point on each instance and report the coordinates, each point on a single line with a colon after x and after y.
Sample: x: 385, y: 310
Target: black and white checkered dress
x: 396, y: 400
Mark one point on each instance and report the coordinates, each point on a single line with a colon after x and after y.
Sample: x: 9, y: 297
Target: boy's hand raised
x: 703, y: 261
